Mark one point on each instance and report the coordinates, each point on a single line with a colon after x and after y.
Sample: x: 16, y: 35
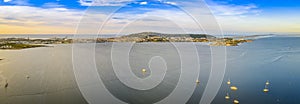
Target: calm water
x: 249, y: 66
x: 275, y: 59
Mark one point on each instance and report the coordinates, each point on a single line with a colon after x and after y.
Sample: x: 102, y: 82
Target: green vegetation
x: 18, y: 46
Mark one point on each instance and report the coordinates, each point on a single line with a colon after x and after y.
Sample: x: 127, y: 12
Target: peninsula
x: 23, y: 43
x: 160, y: 37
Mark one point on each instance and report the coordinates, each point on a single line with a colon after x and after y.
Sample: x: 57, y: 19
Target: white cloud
x: 223, y: 8
x: 234, y: 10
x: 47, y: 20
x: 27, y: 15
x: 118, y: 2
x: 231, y: 17
x: 104, y: 2
x: 166, y: 21
x: 19, y: 2
x: 6, y: 0
x: 235, y: 18
x: 143, y: 3
x: 52, y: 5
x: 171, y: 3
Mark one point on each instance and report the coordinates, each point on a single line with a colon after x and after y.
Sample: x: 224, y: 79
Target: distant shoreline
x: 161, y: 37
x: 24, y: 43
x: 15, y: 46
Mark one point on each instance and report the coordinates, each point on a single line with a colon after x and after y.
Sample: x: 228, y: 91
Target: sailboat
x: 267, y: 83
x: 228, y: 82
x: 266, y: 87
x: 227, y: 97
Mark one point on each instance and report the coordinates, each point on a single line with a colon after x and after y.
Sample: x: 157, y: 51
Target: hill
x: 152, y: 34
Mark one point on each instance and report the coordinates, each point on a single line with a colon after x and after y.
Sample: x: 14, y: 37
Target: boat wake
x: 278, y: 58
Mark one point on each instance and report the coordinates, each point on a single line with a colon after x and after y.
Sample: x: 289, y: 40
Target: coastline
x: 144, y: 37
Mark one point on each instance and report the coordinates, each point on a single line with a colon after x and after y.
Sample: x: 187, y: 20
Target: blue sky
x: 173, y: 16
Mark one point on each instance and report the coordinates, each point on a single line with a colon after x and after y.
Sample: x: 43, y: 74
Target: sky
x: 131, y: 16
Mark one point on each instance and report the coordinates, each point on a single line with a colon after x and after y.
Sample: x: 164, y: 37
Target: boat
x: 236, y: 101
x: 233, y: 88
x: 144, y: 70
x: 267, y: 83
x: 197, y: 81
x: 266, y: 90
x: 227, y: 97
x: 228, y: 82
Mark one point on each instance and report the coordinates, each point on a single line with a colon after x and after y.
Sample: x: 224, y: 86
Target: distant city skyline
x: 63, y: 16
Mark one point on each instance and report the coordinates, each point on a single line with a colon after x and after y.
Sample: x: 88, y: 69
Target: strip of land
x: 16, y: 46
x: 23, y: 43
x: 160, y: 37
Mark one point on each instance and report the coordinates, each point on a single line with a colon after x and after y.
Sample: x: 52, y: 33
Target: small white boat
x: 228, y: 82
x: 266, y: 90
x: 233, y: 88
x: 236, y: 101
x: 144, y: 70
x: 227, y: 97
x: 197, y: 81
x: 267, y: 83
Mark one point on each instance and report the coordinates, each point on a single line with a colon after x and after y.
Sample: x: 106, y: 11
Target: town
x: 22, y: 43
x: 159, y: 37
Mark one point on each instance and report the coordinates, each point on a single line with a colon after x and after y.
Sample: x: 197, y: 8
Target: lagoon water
x: 52, y: 80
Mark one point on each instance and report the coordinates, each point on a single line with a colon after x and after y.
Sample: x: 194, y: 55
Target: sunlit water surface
x: 249, y: 66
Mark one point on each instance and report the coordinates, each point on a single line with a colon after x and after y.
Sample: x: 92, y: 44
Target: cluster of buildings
x: 35, y: 41
x: 212, y: 41
x: 152, y: 39
x: 6, y: 47
x: 228, y: 42
x: 13, y: 43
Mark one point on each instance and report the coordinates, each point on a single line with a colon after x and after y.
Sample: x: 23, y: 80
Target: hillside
x: 151, y: 34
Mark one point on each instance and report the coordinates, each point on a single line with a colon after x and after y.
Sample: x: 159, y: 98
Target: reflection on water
x: 139, y: 57
x: 271, y: 59
x: 265, y: 71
